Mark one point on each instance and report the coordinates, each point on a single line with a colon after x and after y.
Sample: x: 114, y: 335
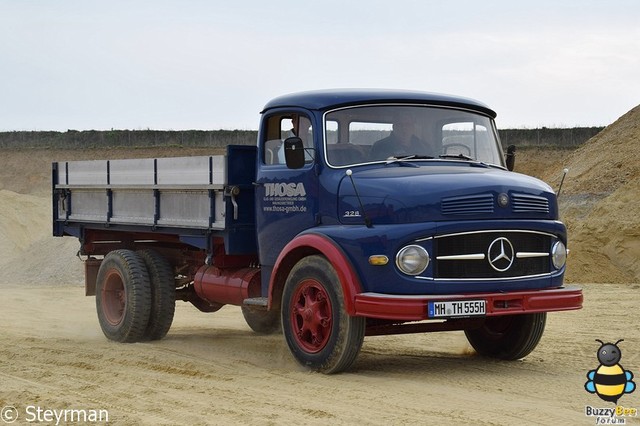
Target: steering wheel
x: 462, y: 149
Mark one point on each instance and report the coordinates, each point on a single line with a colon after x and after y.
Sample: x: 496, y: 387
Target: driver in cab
x: 402, y: 142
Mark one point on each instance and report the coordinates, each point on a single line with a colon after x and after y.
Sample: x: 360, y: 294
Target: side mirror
x: 511, y: 157
x: 294, y: 152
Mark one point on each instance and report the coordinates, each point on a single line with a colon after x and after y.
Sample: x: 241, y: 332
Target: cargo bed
x: 201, y: 195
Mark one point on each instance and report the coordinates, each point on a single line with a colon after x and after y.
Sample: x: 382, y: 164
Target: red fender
x: 348, y: 277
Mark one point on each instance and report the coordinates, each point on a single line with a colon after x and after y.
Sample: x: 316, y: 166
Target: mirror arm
x: 511, y: 157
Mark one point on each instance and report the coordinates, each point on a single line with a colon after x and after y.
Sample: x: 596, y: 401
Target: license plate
x: 462, y: 308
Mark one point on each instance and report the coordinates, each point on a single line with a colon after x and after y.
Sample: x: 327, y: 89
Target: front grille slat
x: 476, y: 204
x: 456, y: 260
x: 524, y: 203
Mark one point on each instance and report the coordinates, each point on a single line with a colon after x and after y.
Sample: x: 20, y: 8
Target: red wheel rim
x: 114, y: 300
x: 311, y: 316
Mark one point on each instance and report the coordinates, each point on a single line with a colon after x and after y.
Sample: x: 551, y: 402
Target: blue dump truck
x: 358, y: 212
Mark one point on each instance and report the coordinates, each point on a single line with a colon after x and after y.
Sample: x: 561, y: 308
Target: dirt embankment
x: 599, y: 201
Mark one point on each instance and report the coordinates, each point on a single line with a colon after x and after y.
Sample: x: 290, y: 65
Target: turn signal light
x: 378, y: 260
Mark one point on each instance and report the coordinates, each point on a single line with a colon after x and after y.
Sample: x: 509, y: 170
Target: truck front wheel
x: 508, y: 337
x: 318, y: 330
x: 123, y: 296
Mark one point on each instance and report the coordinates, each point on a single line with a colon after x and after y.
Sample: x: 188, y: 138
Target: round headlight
x: 559, y: 255
x: 412, y: 260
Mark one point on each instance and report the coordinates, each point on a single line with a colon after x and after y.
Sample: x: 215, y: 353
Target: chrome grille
x: 466, y: 255
x: 474, y: 204
x: 524, y: 203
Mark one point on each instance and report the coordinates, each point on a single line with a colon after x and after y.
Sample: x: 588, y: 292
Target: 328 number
x: 351, y: 213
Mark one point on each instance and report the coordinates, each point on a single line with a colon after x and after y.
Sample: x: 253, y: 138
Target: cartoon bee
x: 610, y: 381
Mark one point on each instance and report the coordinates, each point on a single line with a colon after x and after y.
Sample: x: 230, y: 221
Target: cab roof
x: 334, y: 98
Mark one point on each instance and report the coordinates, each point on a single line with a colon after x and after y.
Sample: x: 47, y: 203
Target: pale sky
x: 177, y: 65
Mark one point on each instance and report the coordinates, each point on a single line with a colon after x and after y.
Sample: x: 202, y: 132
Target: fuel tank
x: 229, y: 286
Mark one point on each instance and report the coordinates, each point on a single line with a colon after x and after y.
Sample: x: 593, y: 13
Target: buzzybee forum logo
x: 610, y: 381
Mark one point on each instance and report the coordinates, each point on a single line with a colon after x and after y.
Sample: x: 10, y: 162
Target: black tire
x: 163, y: 294
x: 263, y: 322
x: 123, y: 296
x: 319, y: 332
x: 508, y: 337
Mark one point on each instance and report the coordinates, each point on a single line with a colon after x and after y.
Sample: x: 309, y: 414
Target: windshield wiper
x: 474, y: 162
x: 457, y: 157
x: 401, y: 160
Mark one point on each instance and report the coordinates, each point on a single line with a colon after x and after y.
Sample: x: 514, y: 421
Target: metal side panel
x: 190, y: 208
x: 92, y: 172
x: 192, y: 170
x: 132, y: 172
x: 181, y: 192
x: 88, y: 205
x: 219, y: 210
x: 61, y: 173
x: 219, y: 170
x: 133, y: 206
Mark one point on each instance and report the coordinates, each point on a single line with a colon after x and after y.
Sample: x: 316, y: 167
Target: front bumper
x: 414, y: 308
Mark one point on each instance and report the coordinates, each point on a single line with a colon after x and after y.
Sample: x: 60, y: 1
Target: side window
x: 281, y: 127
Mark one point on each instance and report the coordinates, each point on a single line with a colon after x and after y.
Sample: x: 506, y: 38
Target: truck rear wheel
x: 319, y: 332
x: 508, y: 337
x: 263, y: 322
x: 123, y: 296
x: 163, y: 294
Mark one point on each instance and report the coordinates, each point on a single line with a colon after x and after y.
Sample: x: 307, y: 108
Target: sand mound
x: 600, y: 202
x: 28, y: 252
x: 607, y: 161
x: 21, y: 223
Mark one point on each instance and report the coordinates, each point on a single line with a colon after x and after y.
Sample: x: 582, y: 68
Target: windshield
x: 366, y: 134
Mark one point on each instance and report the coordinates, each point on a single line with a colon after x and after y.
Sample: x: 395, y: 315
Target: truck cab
x: 360, y: 212
x: 411, y: 194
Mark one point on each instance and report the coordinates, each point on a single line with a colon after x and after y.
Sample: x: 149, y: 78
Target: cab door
x: 286, y: 199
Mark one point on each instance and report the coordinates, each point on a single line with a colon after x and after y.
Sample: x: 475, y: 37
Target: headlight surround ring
x: 412, y: 259
x: 559, y: 254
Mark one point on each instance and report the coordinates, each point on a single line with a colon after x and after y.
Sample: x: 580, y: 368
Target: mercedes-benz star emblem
x: 500, y: 254
x: 503, y: 200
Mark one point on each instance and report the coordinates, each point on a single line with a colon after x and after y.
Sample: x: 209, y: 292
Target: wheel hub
x: 114, y: 300
x: 311, y: 315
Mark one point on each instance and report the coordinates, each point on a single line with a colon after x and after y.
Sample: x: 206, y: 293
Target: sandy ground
x: 212, y: 369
